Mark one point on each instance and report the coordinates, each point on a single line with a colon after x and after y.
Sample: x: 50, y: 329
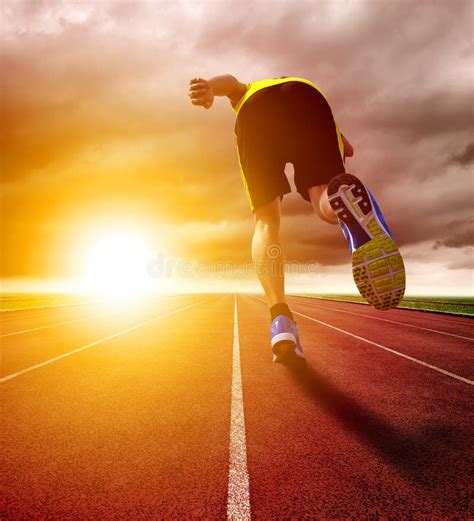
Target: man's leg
x: 267, y: 254
x: 269, y: 263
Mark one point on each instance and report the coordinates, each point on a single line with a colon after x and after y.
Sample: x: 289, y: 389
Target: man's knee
x: 265, y: 224
x: 267, y: 217
x: 320, y: 203
x: 325, y: 216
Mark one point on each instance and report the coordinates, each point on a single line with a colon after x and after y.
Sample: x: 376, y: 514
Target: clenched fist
x: 201, y: 93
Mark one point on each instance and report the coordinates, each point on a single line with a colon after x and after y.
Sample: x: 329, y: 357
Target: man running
x: 288, y: 120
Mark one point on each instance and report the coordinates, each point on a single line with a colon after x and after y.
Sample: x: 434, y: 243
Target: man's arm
x: 348, y: 148
x: 202, y: 91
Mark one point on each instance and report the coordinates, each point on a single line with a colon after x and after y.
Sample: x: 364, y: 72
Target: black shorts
x: 287, y: 123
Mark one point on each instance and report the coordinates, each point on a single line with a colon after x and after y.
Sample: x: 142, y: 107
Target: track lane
x: 100, y: 341
x: 27, y: 308
x: 10, y: 315
x: 45, y: 326
x: 135, y: 428
x: 397, y: 322
x: 22, y: 351
x: 44, y: 316
x: 448, y: 323
x: 452, y: 354
x: 360, y: 434
x: 26, y: 320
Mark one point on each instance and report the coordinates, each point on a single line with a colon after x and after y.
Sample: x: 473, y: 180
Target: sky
x: 98, y: 134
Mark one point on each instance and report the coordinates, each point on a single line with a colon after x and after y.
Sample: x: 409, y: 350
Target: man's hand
x: 201, y: 93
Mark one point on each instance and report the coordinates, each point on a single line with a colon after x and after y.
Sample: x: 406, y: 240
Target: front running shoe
x: 377, y: 266
x: 285, y: 340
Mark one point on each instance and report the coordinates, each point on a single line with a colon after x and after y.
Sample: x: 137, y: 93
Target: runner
x: 288, y: 120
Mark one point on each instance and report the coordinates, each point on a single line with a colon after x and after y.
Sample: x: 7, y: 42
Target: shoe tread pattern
x: 377, y: 265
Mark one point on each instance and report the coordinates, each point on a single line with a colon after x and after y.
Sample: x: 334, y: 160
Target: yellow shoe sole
x: 378, y: 270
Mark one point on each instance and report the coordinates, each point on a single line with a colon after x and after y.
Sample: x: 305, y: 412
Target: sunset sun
x: 115, y: 264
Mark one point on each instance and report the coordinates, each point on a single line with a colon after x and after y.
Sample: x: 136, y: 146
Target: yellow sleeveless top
x: 258, y: 85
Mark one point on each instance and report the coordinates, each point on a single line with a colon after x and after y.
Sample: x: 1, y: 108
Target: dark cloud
x: 419, y: 115
x: 460, y: 234
x: 464, y: 158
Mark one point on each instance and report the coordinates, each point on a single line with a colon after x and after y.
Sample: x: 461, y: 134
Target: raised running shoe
x: 285, y: 340
x: 377, y: 266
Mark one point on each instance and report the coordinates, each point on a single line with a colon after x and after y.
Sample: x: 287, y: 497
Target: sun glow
x: 116, y: 265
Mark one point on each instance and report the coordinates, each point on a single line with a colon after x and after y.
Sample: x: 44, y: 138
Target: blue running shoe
x: 285, y: 340
x: 377, y: 266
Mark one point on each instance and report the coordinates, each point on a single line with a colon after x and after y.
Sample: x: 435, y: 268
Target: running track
x: 173, y: 410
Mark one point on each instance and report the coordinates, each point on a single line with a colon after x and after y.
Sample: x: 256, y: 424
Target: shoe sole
x: 377, y: 266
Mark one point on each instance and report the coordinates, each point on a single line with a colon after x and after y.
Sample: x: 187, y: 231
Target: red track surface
x: 138, y: 426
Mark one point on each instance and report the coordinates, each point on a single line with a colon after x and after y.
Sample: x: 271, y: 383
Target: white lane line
x: 385, y: 348
x: 45, y: 327
x: 97, y: 342
x: 395, y: 322
x: 238, y: 495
